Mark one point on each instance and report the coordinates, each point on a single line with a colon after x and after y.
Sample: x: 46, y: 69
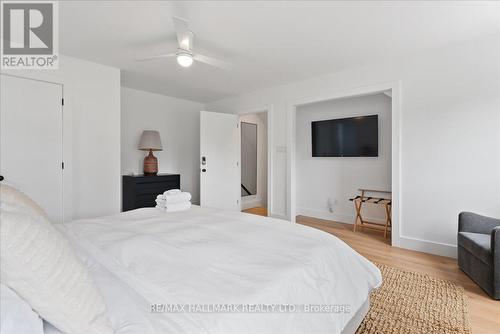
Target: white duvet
x: 205, y: 257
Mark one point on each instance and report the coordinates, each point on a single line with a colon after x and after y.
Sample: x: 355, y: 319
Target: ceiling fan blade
x: 167, y: 55
x: 184, y: 35
x: 213, y: 62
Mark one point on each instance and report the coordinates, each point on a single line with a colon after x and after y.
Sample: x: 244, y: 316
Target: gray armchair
x: 479, y: 250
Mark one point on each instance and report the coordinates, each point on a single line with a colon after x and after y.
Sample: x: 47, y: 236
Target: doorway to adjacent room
x: 254, y: 163
x: 392, y: 181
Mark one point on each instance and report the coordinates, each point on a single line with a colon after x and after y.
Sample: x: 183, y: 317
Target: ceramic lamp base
x: 150, y: 164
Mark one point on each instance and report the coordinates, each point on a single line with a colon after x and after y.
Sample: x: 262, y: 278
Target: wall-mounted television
x: 345, y: 137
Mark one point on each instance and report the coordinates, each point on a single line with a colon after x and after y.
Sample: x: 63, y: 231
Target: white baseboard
x: 278, y: 216
x: 426, y: 246
x: 248, y: 202
x: 416, y: 244
x: 341, y: 218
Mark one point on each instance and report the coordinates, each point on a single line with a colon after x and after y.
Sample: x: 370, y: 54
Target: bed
x: 212, y: 271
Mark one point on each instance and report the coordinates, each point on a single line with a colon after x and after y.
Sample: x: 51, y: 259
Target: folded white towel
x: 178, y: 207
x: 161, y: 201
x: 175, y: 201
x: 178, y: 198
x: 172, y: 192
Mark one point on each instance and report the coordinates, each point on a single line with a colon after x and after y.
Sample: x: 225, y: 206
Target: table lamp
x: 150, y: 141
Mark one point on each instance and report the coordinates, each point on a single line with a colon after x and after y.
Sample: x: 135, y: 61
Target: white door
x: 219, y: 162
x: 31, y: 140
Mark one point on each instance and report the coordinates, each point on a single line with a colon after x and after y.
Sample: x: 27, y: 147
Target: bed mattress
x: 212, y: 271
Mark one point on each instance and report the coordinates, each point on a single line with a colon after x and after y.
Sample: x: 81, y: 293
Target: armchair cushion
x: 472, y: 222
x: 477, y: 244
x: 495, y: 244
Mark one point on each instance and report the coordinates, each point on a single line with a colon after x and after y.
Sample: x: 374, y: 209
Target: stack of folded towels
x: 173, y: 200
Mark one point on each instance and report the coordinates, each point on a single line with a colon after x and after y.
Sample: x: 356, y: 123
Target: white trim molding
x: 269, y: 109
x: 427, y: 246
x: 340, y: 218
x: 251, y: 201
x: 278, y: 216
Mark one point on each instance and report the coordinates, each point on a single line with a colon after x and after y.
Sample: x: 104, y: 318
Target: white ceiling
x: 269, y: 43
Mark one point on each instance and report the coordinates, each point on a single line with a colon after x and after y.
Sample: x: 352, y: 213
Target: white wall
x: 178, y: 122
x: 325, y: 184
x: 450, y: 134
x: 92, y: 183
x: 260, y: 199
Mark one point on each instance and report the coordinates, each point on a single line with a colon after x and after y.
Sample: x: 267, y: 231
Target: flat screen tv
x: 345, y: 137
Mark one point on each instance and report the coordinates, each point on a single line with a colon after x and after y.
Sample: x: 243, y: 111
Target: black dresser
x: 140, y: 191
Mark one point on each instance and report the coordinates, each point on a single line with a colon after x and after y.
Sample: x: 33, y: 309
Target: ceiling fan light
x: 185, y: 60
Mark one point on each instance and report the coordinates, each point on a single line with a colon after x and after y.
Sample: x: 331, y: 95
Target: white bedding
x: 206, y: 256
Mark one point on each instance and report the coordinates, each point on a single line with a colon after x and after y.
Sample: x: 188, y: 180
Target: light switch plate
x: 281, y: 149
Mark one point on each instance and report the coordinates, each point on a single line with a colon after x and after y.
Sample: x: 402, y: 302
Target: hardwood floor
x: 484, y: 311
x: 257, y: 211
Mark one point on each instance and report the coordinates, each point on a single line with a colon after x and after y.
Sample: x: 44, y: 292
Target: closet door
x: 31, y: 140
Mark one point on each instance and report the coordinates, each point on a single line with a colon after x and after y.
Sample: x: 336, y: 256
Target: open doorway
x: 392, y: 91
x: 254, y: 163
x: 351, y: 165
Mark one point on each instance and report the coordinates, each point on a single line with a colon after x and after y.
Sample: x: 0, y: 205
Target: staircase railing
x: 245, y: 189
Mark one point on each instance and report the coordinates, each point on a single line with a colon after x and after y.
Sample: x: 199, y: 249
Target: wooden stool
x: 386, y: 202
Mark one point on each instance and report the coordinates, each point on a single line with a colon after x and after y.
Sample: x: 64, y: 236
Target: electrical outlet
x: 330, y: 204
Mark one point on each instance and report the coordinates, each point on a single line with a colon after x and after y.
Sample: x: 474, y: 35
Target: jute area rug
x: 410, y: 303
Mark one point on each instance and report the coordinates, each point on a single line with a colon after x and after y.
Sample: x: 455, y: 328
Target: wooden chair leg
x: 357, y: 205
x: 389, y: 214
x: 357, y: 215
x: 388, y: 219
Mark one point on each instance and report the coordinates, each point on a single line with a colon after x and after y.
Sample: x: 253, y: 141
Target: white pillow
x: 16, y: 316
x: 13, y: 199
x: 38, y: 263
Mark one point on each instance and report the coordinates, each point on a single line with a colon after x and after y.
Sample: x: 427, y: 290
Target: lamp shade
x: 150, y: 140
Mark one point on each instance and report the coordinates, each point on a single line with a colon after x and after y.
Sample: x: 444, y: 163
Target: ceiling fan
x: 184, y: 54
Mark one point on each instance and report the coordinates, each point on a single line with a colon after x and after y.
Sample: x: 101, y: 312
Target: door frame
x: 269, y: 110
x: 395, y: 88
x: 66, y: 129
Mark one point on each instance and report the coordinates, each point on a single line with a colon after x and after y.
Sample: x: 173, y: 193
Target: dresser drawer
x: 141, y: 191
x: 155, y: 188
x: 145, y: 200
